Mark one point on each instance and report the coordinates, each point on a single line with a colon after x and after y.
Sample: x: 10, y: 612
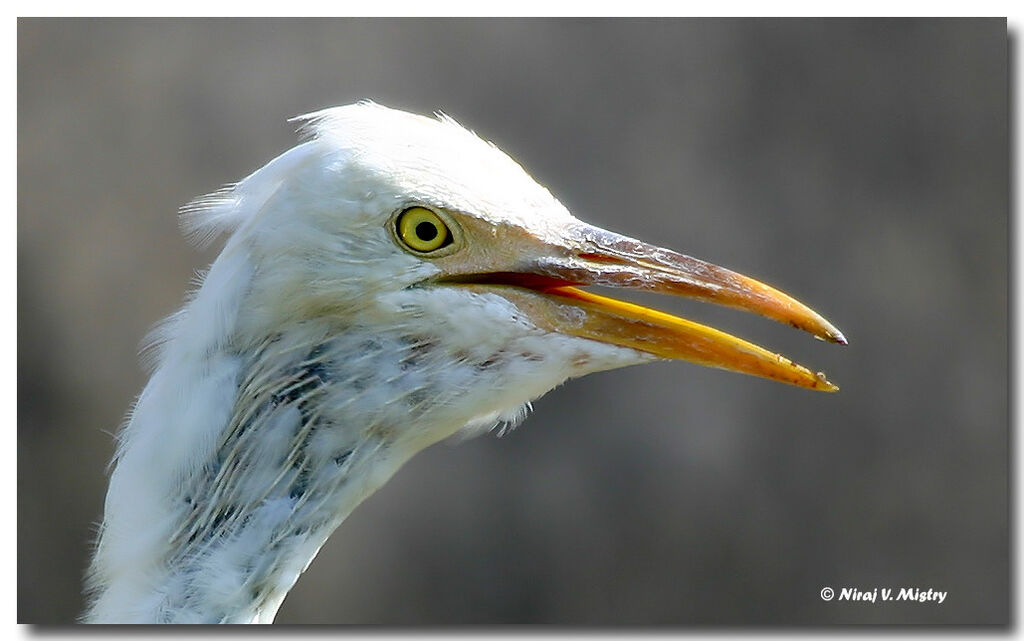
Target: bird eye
x: 422, y: 230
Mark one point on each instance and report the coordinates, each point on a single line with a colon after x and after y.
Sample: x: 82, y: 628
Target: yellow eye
x: 422, y: 230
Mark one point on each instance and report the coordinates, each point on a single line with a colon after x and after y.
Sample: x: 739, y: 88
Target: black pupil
x: 426, y: 231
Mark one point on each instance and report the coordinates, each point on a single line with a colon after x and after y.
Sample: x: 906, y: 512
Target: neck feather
x: 251, y: 443
x: 239, y: 460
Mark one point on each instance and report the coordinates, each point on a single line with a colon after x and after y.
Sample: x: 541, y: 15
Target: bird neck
x: 242, y: 455
x: 265, y: 424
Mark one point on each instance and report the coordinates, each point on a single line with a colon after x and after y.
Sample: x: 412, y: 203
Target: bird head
x: 414, y: 227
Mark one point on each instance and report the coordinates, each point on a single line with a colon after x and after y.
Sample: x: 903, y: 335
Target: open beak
x: 543, y: 283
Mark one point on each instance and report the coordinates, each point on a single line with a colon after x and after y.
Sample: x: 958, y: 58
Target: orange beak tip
x: 837, y: 337
x: 826, y: 385
x: 833, y: 336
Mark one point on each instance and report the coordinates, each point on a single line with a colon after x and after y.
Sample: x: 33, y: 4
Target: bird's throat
x: 304, y: 442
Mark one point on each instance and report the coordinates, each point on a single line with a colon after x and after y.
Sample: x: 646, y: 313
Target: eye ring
x: 422, y: 230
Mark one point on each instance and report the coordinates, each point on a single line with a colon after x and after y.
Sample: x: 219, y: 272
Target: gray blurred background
x: 860, y: 165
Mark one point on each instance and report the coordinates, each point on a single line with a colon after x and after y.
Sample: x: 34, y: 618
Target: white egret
x: 389, y: 282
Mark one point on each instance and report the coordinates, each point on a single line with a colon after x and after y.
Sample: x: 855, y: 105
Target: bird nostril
x: 601, y: 258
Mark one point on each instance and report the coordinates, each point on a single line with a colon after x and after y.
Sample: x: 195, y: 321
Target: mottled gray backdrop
x: 860, y: 165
